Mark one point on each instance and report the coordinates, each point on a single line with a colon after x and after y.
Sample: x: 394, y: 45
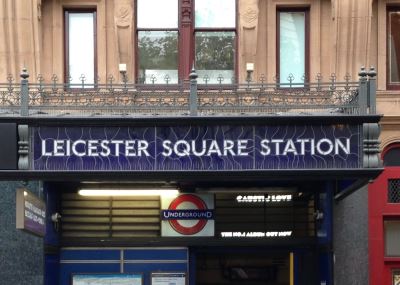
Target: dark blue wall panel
x: 156, y: 254
x: 140, y: 260
x: 52, y: 198
x: 92, y: 254
x: 52, y: 269
x: 324, y: 204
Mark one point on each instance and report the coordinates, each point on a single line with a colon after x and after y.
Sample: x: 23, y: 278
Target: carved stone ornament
x: 250, y: 16
x: 123, y: 16
x: 23, y: 147
x: 39, y: 9
x: 371, y: 145
x: 186, y: 15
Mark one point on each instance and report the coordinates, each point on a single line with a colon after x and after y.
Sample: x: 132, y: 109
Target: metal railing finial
x: 362, y: 73
x: 371, y: 72
x: 193, y: 99
x: 24, y: 92
x: 24, y: 74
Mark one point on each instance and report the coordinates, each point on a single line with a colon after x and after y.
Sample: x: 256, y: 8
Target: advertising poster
x: 107, y: 279
x: 396, y: 278
x: 168, y: 278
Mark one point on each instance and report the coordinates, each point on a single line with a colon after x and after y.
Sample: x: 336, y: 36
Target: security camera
x: 56, y: 217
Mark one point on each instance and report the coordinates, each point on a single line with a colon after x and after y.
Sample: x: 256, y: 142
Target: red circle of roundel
x: 198, y: 203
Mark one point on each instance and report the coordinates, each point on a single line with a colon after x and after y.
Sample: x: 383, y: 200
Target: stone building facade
x: 341, y: 36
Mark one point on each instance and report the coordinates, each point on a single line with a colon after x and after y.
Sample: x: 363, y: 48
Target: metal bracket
x: 23, y: 147
x: 371, y: 145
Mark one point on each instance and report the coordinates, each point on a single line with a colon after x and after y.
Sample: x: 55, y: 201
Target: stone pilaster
x: 20, y: 36
x: 352, y: 35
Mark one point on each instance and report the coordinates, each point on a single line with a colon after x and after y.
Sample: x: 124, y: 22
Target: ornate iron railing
x: 195, y: 97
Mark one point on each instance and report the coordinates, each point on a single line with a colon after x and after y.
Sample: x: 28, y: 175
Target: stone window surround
x: 265, y: 61
x: 382, y: 41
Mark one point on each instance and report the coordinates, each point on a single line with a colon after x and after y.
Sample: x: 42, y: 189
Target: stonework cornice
x: 390, y: 121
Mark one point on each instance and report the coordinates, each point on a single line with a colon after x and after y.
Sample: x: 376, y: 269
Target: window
x: 157, y: 36
x: 391, y: 155
x: 393, y: 45
x: 292, y: 46
x: 168, y: 46
x: 392, y: 238
x: 394, y: 190
x: 215, y: 25
x: 80, y: 46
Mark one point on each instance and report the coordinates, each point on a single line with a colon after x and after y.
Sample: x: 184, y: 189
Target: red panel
x: 186, y: 45
x: 380, y: 269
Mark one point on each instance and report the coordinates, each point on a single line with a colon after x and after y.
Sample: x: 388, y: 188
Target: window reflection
x: 392, y: 236
x: 215, y: 56
x: 80, y: 60
x: 291, y: 47
x: 158, y: 57
x: 394, y: 47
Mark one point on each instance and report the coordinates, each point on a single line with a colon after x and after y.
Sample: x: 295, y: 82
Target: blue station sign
x: 197, y: 148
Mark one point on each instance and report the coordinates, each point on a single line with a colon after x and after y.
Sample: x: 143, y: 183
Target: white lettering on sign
x: 184, y: 148
x: 303, y: 146
x: 263, y: 198
x: 95, y: 148
x: 256, y: 234
x: 205, y: 148
x: 34, y: 213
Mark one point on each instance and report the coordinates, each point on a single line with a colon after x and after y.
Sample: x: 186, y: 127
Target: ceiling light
x: 243, y: 190
x: 129, y: 192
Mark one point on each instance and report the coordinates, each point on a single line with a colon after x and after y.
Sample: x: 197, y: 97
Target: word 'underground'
x: 187, y: 214
x: 182, y: 148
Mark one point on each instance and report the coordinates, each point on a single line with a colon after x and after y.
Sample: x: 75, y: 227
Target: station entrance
x: 244, y: 267
x: 261, y: 236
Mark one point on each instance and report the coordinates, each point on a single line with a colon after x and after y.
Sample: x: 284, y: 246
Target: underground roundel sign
x: 187, y: 215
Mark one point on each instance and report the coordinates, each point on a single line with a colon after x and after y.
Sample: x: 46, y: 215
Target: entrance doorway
x: 250, y: 268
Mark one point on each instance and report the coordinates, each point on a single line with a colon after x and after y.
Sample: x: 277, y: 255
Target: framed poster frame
x: 105, y: 275
x: 396, y: 276
x: 169, y: 278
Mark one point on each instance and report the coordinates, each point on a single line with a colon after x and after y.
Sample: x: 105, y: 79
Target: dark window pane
x: 158, y: 56
x: 392, y: 238
x: 292, y: 46
x: 394, y: 47
x: 394, y: 190
x: 215, y: 56
x: 215, y: 13
x: 392, y: 157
